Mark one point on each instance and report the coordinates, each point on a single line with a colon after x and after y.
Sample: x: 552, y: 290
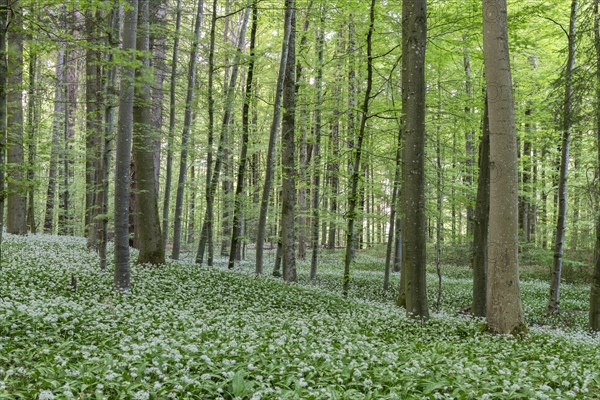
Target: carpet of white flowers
x: 189, y: 332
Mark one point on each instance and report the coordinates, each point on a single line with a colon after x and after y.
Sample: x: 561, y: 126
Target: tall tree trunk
x: 480, y: 222
x: 4, y: 10
x: 288, y: 187
x: 57, y: 129
x: 353, y: 199
x: 594, y: 321
x: 468, y: 178
x: 32, y: 122
x: 93, y: 125
x: 110, y: 104
x: 123, y: 143
x: 266, y: 193
x: 17, y: 201
x: 317, y: 152
x: 148, y: 222
x: 211, y: 190
x: 238, y: 200
x: 561, y: 224
x: 504, y: 312
x: 172, y: 103
x: 206, y: 233
x: 65, y: 216
x: 414, y: 223
x: 187, y: 122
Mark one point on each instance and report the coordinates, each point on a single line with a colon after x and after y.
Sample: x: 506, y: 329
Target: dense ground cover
x: 191, y: 332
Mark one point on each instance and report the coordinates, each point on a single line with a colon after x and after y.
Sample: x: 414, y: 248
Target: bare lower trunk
x: 504, y: 312
x: 561, y: 224
x: 266, y: 193
x: 123, y: 159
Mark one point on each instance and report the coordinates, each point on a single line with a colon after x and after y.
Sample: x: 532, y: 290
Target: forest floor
x: 190, y: 332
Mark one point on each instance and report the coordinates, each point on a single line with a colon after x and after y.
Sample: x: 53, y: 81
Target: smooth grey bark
x: 414, y: 222
x: 352, y: 214
x: 57, y: 129
x: 317, y: 152
x: 171, y: 138
x: 123, y: 149
x: 236, y: 233
x: 504, y: 312
x: 151, y: 249
x: 187, y: 125
x: 468, y: 178
x: 553, y: 306
x: 32, y: 126
x: 207, y: 225
x: 111, y: 99
x: 480, y: 221
x: 288, y: 160
x: 270, y: 159
x: 93, y: 125
x: 594, y: 317
x: 334, y: 164
x: 4, y: 10
x: 211, y: 190
x: 16, y: 200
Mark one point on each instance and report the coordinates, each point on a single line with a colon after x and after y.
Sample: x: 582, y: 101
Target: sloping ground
x: 191, y: 332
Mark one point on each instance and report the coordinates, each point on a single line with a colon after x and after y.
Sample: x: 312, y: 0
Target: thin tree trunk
x: 352, y: 214
x: 187, y: 122
x: 172, y: 103
x: 57, y: 129
x: 266, y: 194
x: 414, y: 223
x: 480, y: 222
x: 4, y: 10
x: 16, y: 200
x: 561, y: 225
x: 32, y: 122
x: 123, y: 144
x: 211, y: 190
x: 238, y: 200
x: 147, y: 221
x: 288, y: 187
x: 468, y: 178
x: 93, y: 125
x: 504, y: 312
x: 594, y: 321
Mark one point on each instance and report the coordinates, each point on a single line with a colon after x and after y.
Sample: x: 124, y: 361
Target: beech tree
x: 594, y: 316
x: 123, y: 149
x: 504, y: 312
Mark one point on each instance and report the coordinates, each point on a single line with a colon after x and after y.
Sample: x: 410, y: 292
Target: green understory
x: 192, y: 332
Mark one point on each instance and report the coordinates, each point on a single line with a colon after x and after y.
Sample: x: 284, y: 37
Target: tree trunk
x: 414, y: 223
x: 111, y: 99
x: 32, y: 123
x: 595, y: 290
x: 172, y: 103
x: 93, y: 125
x: 480, y: 222
x: 57, y: 129
x: 211, y: 190
x: 504, y: 312
x: 187, y: 122
x: 238, y: 200
x: 4, y: 10
x: 16, y: 200
x: 353, y: 199
x: 147, y: 221
x: 561, y: 224
x: 288, y: 188
x: 468, y: 178
x: 266, y: 194
x: 123, y: 143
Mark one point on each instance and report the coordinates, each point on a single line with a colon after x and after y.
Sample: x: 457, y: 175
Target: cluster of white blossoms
x: 190, y: 332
